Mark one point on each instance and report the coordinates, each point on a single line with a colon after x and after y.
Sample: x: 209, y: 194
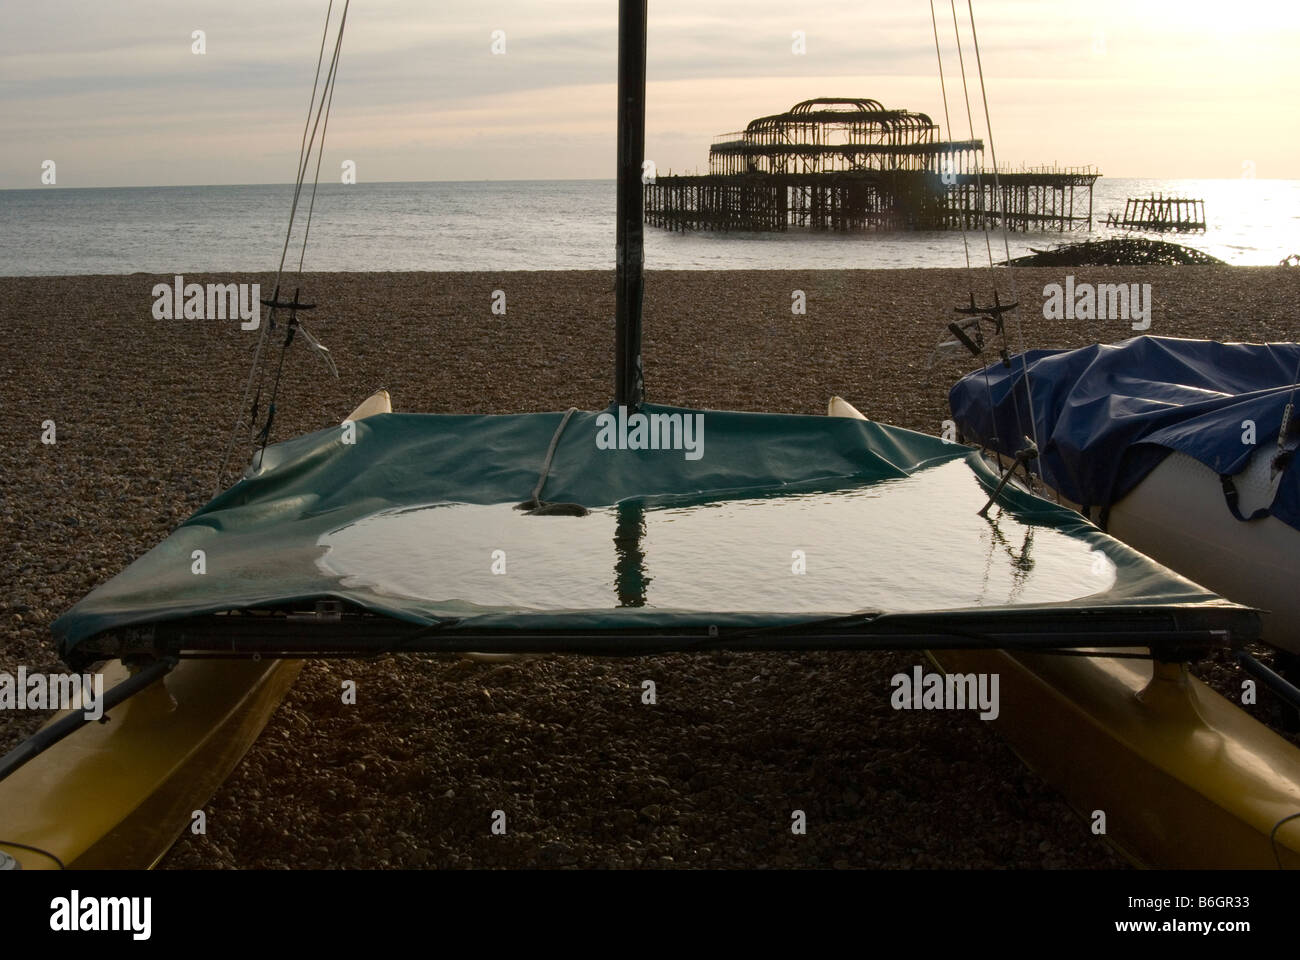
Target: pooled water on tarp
x: 915, y: 543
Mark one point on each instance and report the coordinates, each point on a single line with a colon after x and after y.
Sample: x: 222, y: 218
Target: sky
x: 113, y: 93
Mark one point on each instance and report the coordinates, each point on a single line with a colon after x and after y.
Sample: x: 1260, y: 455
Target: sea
x: 531, y: 225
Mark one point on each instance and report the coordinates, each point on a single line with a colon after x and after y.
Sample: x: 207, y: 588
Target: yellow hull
x: 118, y: 794
x: 1184, y: 778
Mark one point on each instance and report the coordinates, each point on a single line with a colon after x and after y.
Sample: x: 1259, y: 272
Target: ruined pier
x: 852, y: 164
x: 1160, y: 214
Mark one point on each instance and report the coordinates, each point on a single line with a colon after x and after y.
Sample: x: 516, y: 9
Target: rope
x: 304, y: 158
x: 326, y: 101
x: 535, y: 505
x: 979, y: 186
x: 320, y: 153
x: 550, y: 452
x: 265, y: 435
x: 1006, y: 245
x: 947, y: 121
x: 970, y: 121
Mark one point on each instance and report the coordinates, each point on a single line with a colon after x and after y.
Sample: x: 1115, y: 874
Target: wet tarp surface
x: 279, y: 536
x: 1109, y: 414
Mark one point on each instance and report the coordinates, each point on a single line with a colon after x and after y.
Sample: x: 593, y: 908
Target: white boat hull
x: 1178, y: 516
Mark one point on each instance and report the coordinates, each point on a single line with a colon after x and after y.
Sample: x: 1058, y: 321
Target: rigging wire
x: 947, y: 122
x: 261, y: 338
x: 1006, y: 244
x: 311, y: 205
x: 304, y: 158
x: 970, y: 122
x: 326, y: 100
x: 979, y: 187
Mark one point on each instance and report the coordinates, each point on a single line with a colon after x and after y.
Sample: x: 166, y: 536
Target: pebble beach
x: 587, y: 775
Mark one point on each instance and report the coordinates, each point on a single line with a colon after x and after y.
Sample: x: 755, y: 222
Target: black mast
x: 629, y: 387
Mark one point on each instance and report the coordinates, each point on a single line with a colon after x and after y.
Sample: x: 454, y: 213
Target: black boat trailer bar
x: 332, y: 629
x: 1175, y: 633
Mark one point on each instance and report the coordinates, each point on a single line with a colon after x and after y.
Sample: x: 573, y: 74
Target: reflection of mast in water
x: 1022, y: 563
x: 630, y: 579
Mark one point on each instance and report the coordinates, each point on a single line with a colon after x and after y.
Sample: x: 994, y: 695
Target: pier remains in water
x: 1160, y: 214
x: 837, y: 163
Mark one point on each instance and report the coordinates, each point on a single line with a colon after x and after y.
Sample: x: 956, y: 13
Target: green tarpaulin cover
x: 395, y: 515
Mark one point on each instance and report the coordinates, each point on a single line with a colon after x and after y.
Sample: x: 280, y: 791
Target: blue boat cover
x: 1106, y: 415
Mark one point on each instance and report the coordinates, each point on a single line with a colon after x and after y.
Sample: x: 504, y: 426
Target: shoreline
x: 978, y: 268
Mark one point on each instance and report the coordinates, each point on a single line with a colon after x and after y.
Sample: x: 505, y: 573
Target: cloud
x: 114, y: 90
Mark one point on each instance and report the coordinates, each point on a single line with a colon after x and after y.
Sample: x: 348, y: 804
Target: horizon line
x: 178, y: 186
